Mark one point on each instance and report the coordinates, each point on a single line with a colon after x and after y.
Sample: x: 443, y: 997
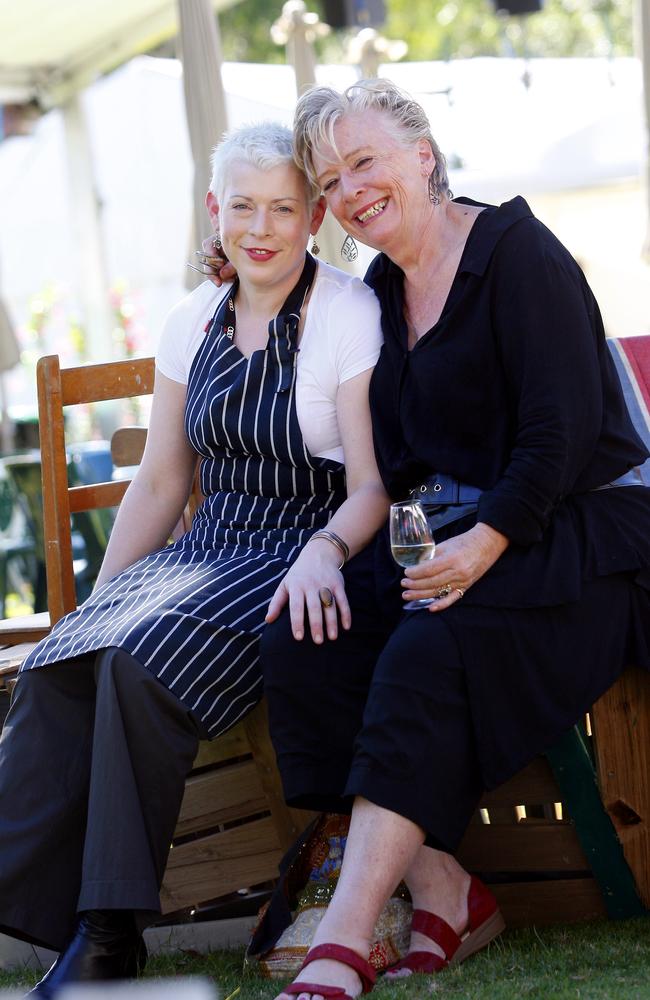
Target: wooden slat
x: 525, y: 847
x: 550, y: 902
x: 119, y: 380
x: 24, y: 628
x: 127, y: 446
x: 61, y: 596
x: 621, y: 722
x: 288, y: 824
x: 220, y: 796
x: 234, y: 743
x: 224, y: 862
x: 12, y: 656
x: 532, y: 786
x: 97, y: 495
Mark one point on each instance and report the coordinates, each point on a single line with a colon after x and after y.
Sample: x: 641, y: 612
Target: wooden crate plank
x: 502, y: 815
x: 621, y: 723
x: 527, y: 847
x: 556, y: 901
x: 220, y: 796
x: 532, y: 786
x: 287, y: 823
x: 223, y: 862
x: 232, y: 744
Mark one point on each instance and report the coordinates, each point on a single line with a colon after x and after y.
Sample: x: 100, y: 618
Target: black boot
x: 105, y: 945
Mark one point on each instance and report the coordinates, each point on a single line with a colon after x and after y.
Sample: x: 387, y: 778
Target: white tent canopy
x: 49, y: 51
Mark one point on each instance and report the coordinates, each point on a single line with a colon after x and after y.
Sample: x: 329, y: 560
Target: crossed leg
x: 391, y: 847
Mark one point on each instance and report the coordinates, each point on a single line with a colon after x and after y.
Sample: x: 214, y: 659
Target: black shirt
x: 514, y: 391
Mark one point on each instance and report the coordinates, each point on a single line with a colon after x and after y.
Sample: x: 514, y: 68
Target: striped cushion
x: 632, y: 359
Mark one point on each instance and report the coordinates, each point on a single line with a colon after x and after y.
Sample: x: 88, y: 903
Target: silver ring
x: 326, y: 597
x: 459, y: 591
x: 444, y: 591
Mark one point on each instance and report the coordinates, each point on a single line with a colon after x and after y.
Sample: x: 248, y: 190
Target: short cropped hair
x: 264, y: 145
x: 320, y: 108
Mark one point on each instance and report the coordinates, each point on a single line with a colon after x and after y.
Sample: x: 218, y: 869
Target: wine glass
x: 411, y: 540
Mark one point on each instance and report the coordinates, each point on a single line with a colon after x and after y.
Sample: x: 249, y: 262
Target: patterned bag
x: 308, y: 881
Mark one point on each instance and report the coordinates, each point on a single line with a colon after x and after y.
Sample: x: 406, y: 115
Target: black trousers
x: 93, y: 759
x: 364, y: 715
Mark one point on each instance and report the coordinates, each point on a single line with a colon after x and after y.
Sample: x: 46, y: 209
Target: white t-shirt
x: 341, y: 338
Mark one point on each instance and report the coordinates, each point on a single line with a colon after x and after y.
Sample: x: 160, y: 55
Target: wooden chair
x: 234, y: 825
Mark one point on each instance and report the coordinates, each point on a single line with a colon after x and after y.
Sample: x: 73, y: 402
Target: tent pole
x: 297, y: 29
x: 205, y: 105
x: 92, y: 286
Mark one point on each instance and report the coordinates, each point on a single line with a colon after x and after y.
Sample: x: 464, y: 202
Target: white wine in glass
x: 411, y: 541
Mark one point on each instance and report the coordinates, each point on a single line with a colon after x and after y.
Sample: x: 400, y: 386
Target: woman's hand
x: 458, y: 563
x: 314, y: 571
x: 223, y: 270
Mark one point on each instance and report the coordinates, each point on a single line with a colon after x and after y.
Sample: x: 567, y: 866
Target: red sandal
x: 484, y: 924
x: 339, y: 953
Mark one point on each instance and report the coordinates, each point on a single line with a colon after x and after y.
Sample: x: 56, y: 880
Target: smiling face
x: 264, y: 220
x: 375, y: 185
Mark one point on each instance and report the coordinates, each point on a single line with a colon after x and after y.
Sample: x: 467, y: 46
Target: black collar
x: 488, y: 229
x: 486, y: 232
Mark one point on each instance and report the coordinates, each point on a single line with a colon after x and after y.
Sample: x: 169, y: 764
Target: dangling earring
x: 315, y: 249
x: 209, y: 263
x: 349, y: 250
x: 433, y: 188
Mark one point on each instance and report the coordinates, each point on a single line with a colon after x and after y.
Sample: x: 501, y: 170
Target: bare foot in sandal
x: 454, y: 915
x: 331, y: 972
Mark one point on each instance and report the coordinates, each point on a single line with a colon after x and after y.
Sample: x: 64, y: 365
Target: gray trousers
x: 93, y: 759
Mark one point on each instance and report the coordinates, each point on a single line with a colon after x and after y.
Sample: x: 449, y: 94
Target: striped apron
x: 192, y: 612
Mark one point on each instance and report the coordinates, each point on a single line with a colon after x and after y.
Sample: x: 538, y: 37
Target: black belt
x: 445, y: 499
x: 442, y: 489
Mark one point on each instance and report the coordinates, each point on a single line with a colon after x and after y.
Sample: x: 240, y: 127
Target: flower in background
x: 129, y: 336
x: 128, y: 332
x: 52, y: 328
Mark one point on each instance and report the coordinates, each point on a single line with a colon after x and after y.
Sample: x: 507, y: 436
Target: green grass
x: 598, y: 961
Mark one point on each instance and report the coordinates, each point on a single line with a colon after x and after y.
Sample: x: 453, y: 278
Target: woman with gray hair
x: 496, y: 402
x: 265, y: 382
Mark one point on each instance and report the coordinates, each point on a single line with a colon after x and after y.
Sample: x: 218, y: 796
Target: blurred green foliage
x: 446, y: 29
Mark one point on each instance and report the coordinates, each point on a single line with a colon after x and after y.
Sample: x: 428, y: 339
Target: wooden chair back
x: 58, y: 388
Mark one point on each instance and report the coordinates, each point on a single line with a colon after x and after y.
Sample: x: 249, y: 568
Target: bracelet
x: 335, y: 539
